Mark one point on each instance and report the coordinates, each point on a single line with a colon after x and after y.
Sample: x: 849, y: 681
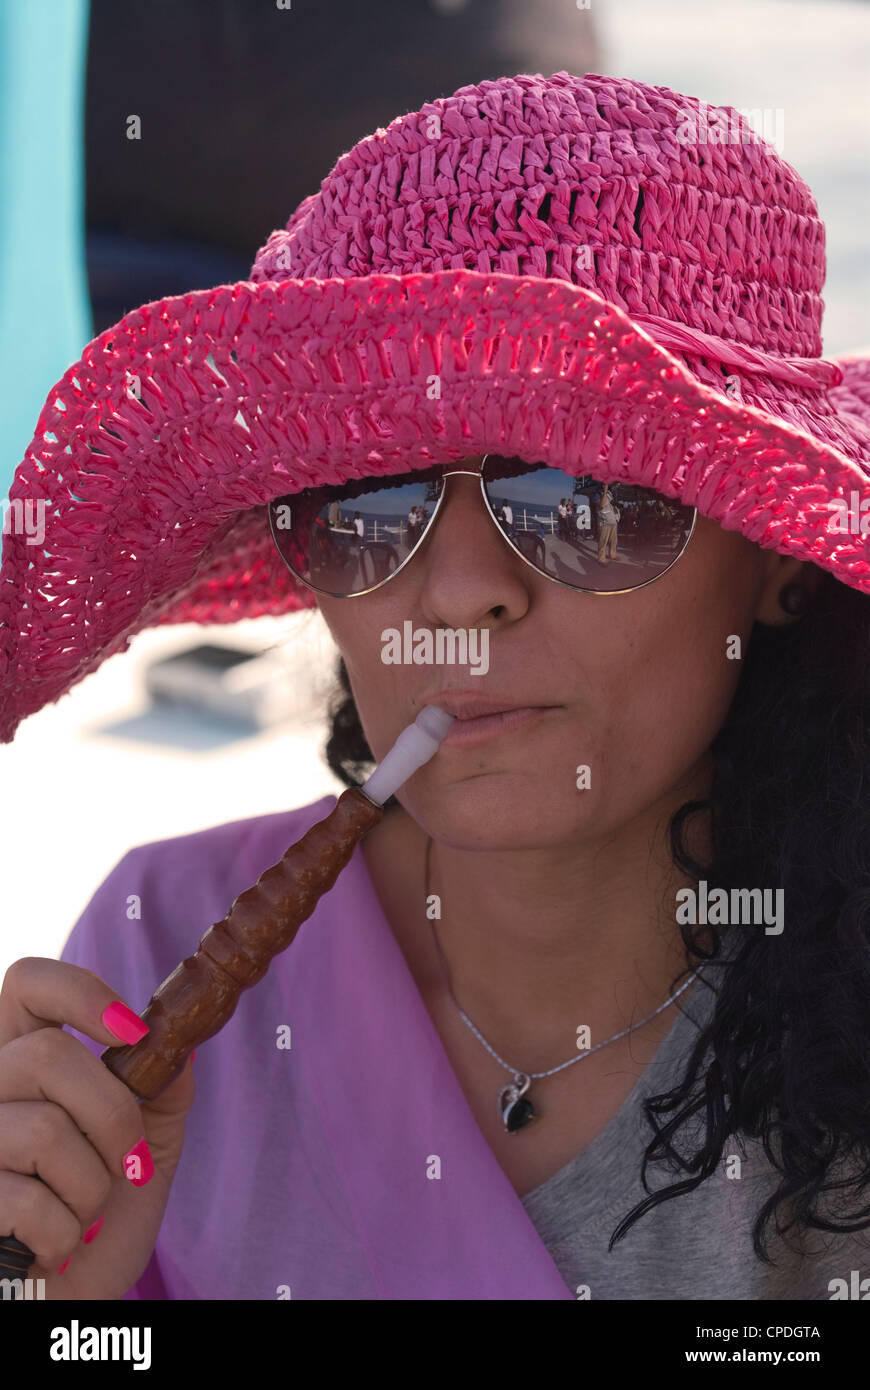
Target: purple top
x: 310, y: 1171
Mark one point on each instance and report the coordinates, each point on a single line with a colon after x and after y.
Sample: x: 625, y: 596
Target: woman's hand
x: 65, y: 1117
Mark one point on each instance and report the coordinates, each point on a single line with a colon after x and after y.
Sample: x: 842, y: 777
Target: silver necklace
x: 515, y: 1105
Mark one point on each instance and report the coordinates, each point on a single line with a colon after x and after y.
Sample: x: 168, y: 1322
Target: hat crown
x: 655, y: 201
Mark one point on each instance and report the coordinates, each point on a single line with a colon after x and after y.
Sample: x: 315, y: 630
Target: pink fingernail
x: 124, y: 1023
x: 139, y: 1165
x: 64, y: 1265
x: 93, y: 1231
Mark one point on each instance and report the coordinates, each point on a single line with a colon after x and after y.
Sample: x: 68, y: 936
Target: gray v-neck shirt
x: 697, y: 1245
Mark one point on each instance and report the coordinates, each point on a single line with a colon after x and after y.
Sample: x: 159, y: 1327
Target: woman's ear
x: 787, y: 589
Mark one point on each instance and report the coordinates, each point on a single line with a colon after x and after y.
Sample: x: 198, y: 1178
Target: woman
x: 521, y: 1002
x: 608, y: 516
x: 413, y: 528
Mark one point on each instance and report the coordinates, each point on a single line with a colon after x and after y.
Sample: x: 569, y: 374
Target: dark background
x: 245, y: 108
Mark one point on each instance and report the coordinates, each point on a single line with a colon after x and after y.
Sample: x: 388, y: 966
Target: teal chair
x: 45, y: 313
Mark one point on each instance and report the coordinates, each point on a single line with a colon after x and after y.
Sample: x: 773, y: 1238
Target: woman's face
x: 631, y: 686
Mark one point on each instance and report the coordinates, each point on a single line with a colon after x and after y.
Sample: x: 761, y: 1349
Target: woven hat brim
x: 156, y: 452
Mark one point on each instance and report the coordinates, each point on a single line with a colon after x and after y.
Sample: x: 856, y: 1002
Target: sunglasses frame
x: 480, y: 474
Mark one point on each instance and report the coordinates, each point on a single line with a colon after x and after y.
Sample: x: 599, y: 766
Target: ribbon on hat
x: 811, y: 372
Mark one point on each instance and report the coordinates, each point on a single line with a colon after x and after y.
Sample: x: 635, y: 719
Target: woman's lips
x: 467, y: 730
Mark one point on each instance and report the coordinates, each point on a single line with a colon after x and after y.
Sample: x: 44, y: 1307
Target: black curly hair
x: 785, y: 1057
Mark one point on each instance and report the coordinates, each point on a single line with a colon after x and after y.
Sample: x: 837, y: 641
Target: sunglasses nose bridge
x: 467, y: 473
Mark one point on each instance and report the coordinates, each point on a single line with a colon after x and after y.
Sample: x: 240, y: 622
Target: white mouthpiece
x: 414, y: 747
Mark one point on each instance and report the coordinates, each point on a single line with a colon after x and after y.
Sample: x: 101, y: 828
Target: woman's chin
x: 503, y: 811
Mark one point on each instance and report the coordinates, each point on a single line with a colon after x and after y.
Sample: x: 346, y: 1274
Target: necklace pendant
x: 514, y: 1107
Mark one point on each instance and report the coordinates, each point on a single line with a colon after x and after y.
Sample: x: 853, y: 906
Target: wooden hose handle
x: 201, y: 994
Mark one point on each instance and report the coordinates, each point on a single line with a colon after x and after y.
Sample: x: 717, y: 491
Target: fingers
x: 72, y: 1136
x: 50, y: 1065
x: 33, y: 1214
x: 38, y: 992
x: 49, y: 1216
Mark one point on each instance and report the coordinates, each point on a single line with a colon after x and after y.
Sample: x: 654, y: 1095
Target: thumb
x: 164, y: 1117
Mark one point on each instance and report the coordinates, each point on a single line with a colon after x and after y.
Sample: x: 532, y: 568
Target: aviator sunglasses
x: 350, y: 539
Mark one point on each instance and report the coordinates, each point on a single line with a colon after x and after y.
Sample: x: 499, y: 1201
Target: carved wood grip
x: 201, y: 994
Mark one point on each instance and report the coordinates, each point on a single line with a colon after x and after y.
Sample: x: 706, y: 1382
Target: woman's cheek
x: 663, y: 693
x: 695, y: 686
x: 376, y: 686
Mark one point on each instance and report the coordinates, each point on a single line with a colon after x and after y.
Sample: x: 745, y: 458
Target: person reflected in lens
x: 608, y: 517
x: 505, y: 517
x: 413, y: 528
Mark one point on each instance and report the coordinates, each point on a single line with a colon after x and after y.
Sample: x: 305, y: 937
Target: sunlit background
x: 90, y: 228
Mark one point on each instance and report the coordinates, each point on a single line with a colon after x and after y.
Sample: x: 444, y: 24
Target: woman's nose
x: 469, y: 575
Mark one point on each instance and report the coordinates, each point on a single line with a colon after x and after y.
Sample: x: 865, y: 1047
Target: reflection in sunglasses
x: 580, y: 531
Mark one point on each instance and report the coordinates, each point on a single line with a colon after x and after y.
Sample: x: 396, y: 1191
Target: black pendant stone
x: 519, y: 1113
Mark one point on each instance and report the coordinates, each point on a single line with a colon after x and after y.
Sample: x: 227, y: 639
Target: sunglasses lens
x: 584, y: 532
x: 344, y: 540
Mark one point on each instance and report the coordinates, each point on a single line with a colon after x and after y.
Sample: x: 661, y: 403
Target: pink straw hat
x: 545, y: 267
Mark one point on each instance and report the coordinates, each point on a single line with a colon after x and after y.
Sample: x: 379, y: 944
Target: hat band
x: 809, y: 372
